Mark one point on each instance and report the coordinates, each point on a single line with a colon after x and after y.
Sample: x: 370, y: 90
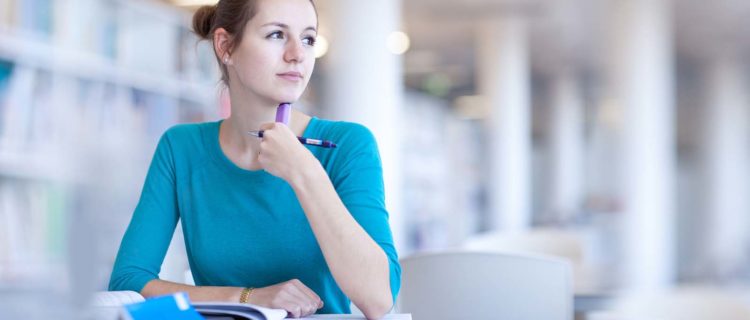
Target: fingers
x: 296, y: 298
x: 267, y: 126
x: 318, y: 303
x: 280, y: 153
x: 272, y: 134
x: 313, y: 300
x: 307, y: 301
x: 271, y: 127
x: 293, y: 309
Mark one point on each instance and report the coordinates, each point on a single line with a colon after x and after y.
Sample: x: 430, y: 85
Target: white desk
x: 400, y: 316
x: 587, y: 302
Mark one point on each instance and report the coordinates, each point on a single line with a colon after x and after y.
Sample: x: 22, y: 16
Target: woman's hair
x: 232, y: 15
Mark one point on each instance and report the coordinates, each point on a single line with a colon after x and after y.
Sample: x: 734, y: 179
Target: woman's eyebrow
x: 285, y: 26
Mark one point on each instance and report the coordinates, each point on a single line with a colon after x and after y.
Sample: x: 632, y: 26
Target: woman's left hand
x: 281, y: 154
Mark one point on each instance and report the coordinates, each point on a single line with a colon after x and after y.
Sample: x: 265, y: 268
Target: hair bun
x: 203, y: 21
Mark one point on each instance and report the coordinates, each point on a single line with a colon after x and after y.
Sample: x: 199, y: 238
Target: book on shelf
x: 185, y: 60
x: 15, y: 108
x: 7, y: 7
x: 6, y: 69
x: 36, y: 17
x: 154, y: 32
x: 87, y: 26
x: 31, y: 229
x: 196, y: 60
x: 42, y: 101
x: 11, y: 245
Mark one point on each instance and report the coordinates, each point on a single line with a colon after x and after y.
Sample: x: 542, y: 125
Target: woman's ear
x: 222, y: 45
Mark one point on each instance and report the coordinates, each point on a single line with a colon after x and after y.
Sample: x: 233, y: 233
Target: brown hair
x: 232, y: 15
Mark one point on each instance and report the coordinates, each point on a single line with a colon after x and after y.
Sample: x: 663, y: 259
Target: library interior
x: 563, y: 159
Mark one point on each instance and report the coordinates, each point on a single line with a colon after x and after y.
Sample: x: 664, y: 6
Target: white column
x: 364, y: 84
x: 504, y: 81
x: 641, y: 80
x: 726, y: 159
x: 566, y: 138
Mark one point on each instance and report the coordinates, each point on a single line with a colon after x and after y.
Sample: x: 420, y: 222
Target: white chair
x: 554, y: 242
x: 483, y: 285
x: 546, y: 241
x: 692, y: 303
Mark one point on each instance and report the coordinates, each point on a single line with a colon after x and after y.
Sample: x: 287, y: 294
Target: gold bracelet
x: 245, y: 294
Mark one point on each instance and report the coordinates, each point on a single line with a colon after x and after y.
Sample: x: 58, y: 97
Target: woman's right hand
x: 292, y: 296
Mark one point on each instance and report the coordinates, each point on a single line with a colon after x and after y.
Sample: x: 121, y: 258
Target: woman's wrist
x: 245, y: 294
x: 307, y: 175
x: 234, y: 294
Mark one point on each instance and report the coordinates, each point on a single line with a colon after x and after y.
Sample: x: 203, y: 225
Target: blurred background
x: 614, y: 133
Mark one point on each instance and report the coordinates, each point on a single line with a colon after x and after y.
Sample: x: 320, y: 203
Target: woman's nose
x: 294, y: 52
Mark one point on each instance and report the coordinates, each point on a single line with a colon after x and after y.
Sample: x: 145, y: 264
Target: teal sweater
x: 246, y: 228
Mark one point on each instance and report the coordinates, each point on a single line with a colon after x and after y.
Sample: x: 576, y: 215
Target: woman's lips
x: 291, y: 76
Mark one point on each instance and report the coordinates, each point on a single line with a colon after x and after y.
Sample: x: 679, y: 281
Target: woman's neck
x: 249, y: 114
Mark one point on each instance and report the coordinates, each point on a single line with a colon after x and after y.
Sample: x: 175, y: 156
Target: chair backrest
x: 545, y: 241
x: 485, y: 285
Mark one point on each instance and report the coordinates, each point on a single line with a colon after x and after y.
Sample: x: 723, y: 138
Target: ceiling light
x: 398, y: 42
x: 321, y: 46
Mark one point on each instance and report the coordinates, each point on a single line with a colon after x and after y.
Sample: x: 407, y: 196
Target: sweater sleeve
x: 359, y: 184
x: 147, y: 238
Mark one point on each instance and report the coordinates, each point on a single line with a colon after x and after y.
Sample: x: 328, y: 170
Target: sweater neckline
x: 231, y: 167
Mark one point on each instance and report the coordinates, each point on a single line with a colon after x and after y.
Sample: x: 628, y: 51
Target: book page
x: 248, y: 310
x: 115, y: 298
x: 392, y: 316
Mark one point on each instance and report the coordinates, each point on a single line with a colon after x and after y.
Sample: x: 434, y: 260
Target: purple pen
x: 303, y: 140
x: 283, y: 112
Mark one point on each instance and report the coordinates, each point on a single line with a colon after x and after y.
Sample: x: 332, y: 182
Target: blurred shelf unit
x: 82, y: 81
x: 33, y: 245
x: 439, y: 164
x: 95, y: 68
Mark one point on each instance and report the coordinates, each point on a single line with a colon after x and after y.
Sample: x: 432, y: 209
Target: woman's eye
x: 275, y: 35
x: 310, y: 41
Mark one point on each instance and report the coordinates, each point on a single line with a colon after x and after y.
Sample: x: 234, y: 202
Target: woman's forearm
x: 158, y: 287
x: 359, y: 266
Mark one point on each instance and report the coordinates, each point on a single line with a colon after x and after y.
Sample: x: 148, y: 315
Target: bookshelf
x: 86, y: 89
x: 440, y: 163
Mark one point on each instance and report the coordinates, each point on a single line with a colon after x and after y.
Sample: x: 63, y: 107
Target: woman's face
x: 275, y: 58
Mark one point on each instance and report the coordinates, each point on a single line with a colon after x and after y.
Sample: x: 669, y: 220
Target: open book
x: 109, y: 305
x: 113, y: 300
x: 237, y: 311
x: 242, y: 311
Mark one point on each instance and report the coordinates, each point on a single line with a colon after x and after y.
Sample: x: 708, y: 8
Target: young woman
x: 267, y: 221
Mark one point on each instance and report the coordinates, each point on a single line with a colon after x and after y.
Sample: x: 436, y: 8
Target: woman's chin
x: 287, y: 97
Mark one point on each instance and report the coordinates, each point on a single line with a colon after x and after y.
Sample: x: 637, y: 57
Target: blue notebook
x: 175, y: 306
